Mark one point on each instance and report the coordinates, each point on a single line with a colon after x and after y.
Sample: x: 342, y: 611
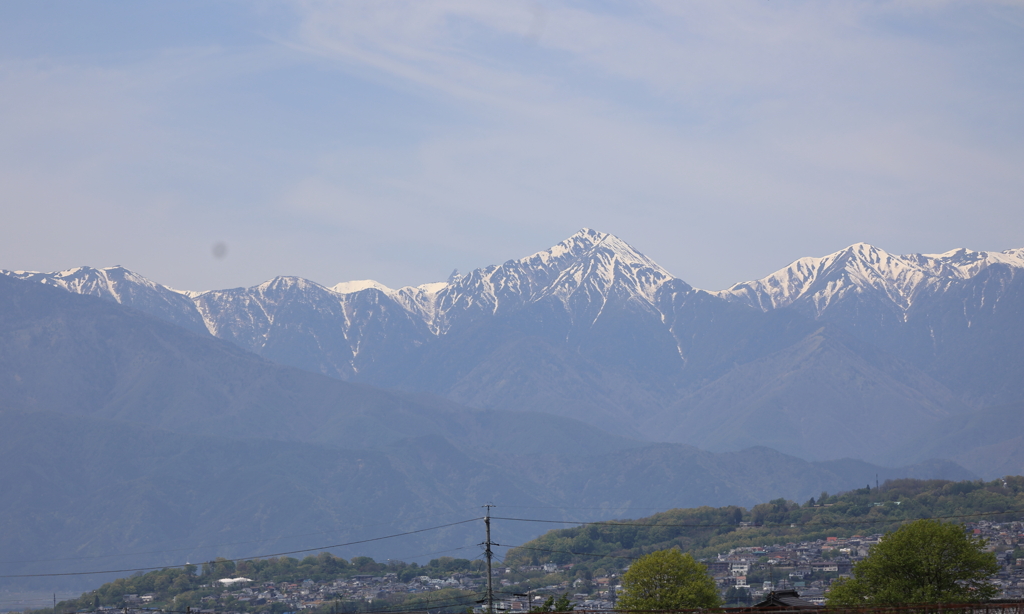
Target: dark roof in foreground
x: 785, y: 600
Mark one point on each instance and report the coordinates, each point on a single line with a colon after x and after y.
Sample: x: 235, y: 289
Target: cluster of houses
x: 807, y: 567
x: 810, y: 567
x: 240, y: 592
x: 1006, y: 539
x: 751, y: 573
x: 598, y: 594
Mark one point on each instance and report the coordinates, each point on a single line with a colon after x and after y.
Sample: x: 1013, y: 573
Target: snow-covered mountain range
x: 121, y: 432
x: 125, y: 287
x: 593, y: 329
x: 818, y: 283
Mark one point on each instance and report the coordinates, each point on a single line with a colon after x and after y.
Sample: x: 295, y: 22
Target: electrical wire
x: 711, y: 525
x: 416, y: 556
x: 39, y: 600
x: 633, y: 558
x: 602, y: 509
x: 244, y: 558
x: 597, y: 523
x: 255, y: 541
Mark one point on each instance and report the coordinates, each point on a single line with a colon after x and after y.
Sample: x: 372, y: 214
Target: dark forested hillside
x: 594, y: 549
x: 706, y: 530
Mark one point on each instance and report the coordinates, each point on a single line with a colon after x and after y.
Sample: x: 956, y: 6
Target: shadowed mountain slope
x: 121, y: 433
x: 861, y: 398
x: 593, y: 330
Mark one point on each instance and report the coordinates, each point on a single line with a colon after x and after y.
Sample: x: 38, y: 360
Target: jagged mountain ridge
x: 945, y: 313
x: 121, y: 434
x: 594, y: 330
x: 580, y: 272
x: 301, y: 323
x: 862, y: 268
x: 126, y: 287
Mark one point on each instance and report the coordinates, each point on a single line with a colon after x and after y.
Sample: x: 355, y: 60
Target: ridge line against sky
x: 400, y: 140
x: 357, y: 284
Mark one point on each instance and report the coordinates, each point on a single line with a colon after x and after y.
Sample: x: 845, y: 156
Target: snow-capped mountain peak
x: 349, y: 287
x: 964, y: 263
x: 824, y: 279
x: 588, y: 242
x: 607, y: 261
x: 284, y: 283
x: 863, y: 268
x: 581, y: 271
x: 115, y: 283
x: 123, y: 286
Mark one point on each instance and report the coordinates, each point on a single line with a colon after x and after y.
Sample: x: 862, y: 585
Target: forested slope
x: 593, y: 549
x: 706, y: 531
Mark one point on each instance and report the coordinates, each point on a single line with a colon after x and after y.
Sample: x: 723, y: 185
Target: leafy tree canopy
x: 668, y: 580
x: 562, y: 604
x: 925, y: 561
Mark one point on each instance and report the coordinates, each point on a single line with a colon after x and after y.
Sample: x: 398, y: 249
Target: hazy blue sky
x: 400, y: 140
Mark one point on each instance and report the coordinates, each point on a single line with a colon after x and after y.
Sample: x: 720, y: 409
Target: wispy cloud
x: 789, y: 119
x: 360, y: 136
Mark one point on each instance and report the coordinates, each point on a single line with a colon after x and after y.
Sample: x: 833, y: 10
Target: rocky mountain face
x: 852, y: 354
x: 957, y: 316
x: 129, y: 442
x: 122, y: 286
x: 824, y: 285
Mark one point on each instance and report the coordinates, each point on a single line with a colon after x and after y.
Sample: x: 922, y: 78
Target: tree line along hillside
x: 179, y: 588
x: 594, y: 549
x: 599, y: 548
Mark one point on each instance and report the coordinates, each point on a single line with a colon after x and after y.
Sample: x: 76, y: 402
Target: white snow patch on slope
x: 116, y: 282
x: 419, y: 300
x: 348, y: 287
x: 863, y: 268
x: 581, y: 271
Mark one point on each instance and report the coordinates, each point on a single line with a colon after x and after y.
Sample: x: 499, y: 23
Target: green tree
x: 562, y: 604
x: 668, y: 580
x: 738, y: 596
x: 925, y: 561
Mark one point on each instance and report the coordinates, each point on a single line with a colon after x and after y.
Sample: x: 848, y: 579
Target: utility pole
x: 489, y: 554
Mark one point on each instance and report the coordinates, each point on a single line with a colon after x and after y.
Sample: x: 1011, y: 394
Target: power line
x: 416, y: 556
x: 710, y: 525
x: 602, y: 509
x: 36, y: 600
x: 596, y: 523
x: 245, y: 558
x: 254, y: 541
